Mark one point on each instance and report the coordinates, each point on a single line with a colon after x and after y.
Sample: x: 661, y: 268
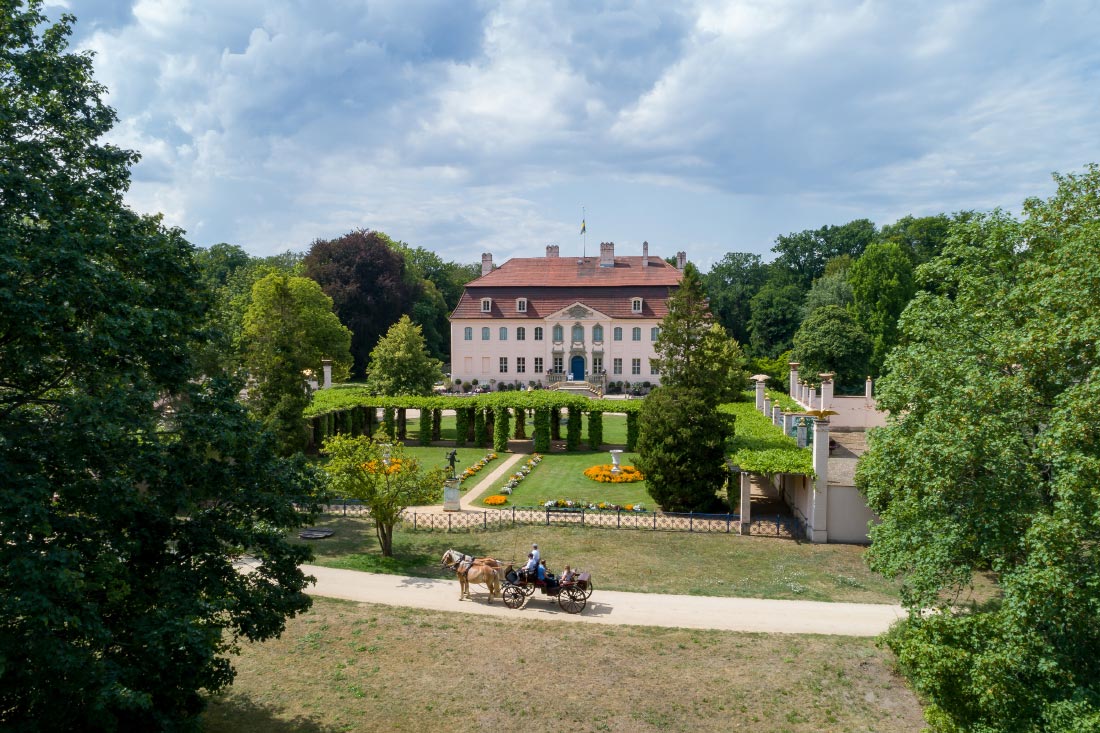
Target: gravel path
x: 614, y: 607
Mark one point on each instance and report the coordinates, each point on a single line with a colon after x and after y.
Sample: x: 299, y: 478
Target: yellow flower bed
x: 496, y: 500
x: 627, y: 475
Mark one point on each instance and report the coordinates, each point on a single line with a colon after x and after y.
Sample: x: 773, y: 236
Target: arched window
x: 654, y: 333
x: 468, y: 333
x: 636, y: 334
x: 484, y: 333
x: 597, y: 333
x: 578, y: 332
x: 618, y: 333
x: 521, y: 334
x: 538, y: 333
x: 558, y: 331
x: 503, y: 333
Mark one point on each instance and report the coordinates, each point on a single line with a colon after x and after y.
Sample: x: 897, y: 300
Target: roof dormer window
x: 521, y: 305
x: 636, y: 305
x: 486, y: 305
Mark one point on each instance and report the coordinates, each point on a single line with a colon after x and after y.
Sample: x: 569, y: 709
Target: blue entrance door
x: 576, y: 368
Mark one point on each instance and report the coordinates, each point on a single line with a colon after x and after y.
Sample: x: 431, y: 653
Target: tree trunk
x: 384, y: 533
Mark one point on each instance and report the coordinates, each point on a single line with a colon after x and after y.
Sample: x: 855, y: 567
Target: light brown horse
x: 481, y: 570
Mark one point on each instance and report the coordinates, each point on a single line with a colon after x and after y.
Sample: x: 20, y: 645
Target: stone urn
x: 615, y: 466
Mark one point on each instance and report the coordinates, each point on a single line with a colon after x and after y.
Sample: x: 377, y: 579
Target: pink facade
x: 575, y: 317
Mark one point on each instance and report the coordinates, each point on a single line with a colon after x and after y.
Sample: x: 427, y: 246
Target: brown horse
x: 481, y: 570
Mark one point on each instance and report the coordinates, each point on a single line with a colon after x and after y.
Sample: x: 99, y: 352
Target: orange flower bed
x: 394, y: 466
x: 496, y: 500
x: 627, y: 475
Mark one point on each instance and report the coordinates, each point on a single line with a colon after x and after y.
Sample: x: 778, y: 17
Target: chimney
x: 486, y: 263
x: 681, y: 261
x: 607, y: 254
x: 645, y: 254
x: 551, y: 250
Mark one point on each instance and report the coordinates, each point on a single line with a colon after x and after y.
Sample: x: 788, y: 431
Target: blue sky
x: 468, y: 127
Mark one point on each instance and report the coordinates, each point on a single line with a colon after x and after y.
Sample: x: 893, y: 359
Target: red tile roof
x: 552, y: 283
x: 570, y: 272
x: 544, y: 301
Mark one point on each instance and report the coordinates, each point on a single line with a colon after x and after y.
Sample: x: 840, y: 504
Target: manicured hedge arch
x: 479, y: 419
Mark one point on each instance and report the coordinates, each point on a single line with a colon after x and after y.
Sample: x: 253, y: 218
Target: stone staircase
x: 582, y: 388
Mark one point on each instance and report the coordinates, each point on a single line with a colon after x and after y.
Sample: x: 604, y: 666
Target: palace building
x: 551, y: 319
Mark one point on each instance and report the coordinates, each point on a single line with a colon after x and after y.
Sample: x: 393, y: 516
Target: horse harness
x: 461, y: 566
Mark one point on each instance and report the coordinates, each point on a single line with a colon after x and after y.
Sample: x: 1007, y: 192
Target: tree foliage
x: 289, y: 328
x: 776, y: 314
x: 681, y: 448
x: 805, y: 253
x: 882, y: 285
x: 829, y: 289
x: 692, y: 351
x: 831, y: 341
x: 365, y: 274
x: 730, y: 285
x: 681, y: 436
x: 990, y: 461
x: 400, y: 363
x: 130, y: 481
x: 384, y: 477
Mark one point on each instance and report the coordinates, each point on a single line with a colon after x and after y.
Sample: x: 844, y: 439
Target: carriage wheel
x: 588, y: 589
x: 513, y: 596
x: 528, y: 589
x: 572, y: 600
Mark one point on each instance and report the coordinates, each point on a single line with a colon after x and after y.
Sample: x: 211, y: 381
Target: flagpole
x: 584, y: 233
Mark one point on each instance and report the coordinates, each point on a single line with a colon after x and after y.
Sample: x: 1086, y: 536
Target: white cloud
x: 468, y: 126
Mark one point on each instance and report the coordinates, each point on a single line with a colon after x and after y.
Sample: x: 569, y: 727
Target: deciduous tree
x: 805, y: 253
x: 384, y: 477
x: 289, y: 328
x: 400, y: 363
x: 730, y: 286
x: 130, y: 481
x: 364, y: 273
x: 882, y: 285
x: 776, y: 314
x: 831, y: 341
x: 990, y: 461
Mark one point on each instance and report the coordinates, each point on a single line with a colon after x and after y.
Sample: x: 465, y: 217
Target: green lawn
x: 629, y: 560
x: 561, y: 476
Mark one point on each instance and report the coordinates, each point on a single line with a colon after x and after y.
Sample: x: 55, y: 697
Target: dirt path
x: 612, y: 607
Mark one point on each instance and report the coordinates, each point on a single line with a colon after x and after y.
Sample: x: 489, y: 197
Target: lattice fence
x: 772, y: 526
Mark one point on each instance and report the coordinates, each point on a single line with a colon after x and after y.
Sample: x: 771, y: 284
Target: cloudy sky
x: 465, y: 126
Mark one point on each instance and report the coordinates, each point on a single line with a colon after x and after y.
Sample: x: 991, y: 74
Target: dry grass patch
x: 360, y: 667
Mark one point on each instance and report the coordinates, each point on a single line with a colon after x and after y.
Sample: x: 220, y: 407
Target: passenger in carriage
x: 542, y: 571
x: 528, y: 570
x: 567, y: 575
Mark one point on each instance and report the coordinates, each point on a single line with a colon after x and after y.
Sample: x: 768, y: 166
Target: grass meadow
x: 643, y: 561
x: 359, y: 668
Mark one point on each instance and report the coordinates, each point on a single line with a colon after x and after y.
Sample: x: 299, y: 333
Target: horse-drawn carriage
x: 514, y: 586
x: 572, y: 595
